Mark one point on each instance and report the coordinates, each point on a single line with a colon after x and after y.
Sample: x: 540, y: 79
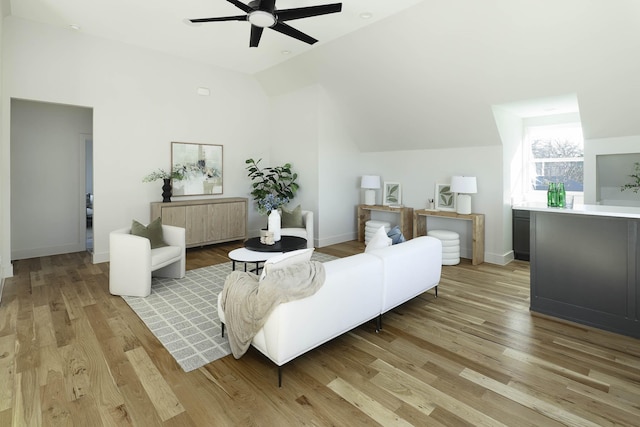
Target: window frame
x: 529, y: 162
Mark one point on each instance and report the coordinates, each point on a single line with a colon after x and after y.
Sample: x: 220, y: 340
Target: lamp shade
x: 464, y: 184
x: 370, y: 181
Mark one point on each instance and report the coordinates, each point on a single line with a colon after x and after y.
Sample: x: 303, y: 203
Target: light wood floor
x: 72, y: 354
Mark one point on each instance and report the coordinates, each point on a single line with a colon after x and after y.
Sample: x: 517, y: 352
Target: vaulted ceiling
x: 419, y: 73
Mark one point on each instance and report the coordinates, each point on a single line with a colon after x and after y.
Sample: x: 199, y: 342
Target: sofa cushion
x: 286, y: 259
x: 292, y: 219
x: 379, y: 240
x: 153, y: 232
x: 296, y: 232
x: 396, y: 235
x: 163, y: 255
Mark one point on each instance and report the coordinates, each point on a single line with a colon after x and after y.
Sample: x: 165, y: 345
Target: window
x: 554, y: 153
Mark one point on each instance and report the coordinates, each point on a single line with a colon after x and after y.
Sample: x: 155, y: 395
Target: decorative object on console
x: 201, y: 166
x: 274, y: 224
x: 445, y: 198
x: 272, y: 187
x: 370, y: 183
x: 177, y: 174
x: 463, y: 186
x: 392, y: 194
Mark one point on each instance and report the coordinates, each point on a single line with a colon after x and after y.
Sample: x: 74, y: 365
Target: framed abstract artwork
x: 201, y: 165
x: 392, y: 193
x: 445, y: 199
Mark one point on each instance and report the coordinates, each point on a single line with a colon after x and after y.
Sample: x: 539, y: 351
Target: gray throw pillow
x: 153, y: 232
x: 292, y: 219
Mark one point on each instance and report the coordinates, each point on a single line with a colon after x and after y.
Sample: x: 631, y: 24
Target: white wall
x: 47, y: 178
x: 5, y: 265
x: 510, y: 127
x: 340, y: 167
x: 142, y: 100
x: 309, y: 134
x: 295, y: 136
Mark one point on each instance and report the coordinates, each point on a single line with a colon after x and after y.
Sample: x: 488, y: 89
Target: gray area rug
x: 183, y: 313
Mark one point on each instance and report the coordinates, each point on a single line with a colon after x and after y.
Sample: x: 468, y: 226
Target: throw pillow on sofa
x: 379, y: 240
x: 285, y: 260
x: 153, y: 232
x: 292, y: 219
x: 396, y: 235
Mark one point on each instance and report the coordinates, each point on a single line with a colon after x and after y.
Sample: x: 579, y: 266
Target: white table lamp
x: 370, y: 183
x: 464, y: 185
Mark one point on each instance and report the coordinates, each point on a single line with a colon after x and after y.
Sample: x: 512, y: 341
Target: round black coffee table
x: 286, y: 244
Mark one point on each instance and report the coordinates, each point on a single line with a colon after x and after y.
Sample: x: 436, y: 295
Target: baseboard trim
x: 48, y: 251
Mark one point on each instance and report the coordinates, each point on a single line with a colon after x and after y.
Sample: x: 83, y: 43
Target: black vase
x: 166, y: 190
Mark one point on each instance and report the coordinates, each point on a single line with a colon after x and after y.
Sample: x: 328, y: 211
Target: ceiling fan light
x: 261, y: 18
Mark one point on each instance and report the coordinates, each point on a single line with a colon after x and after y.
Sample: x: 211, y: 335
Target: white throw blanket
x: 247, y: 302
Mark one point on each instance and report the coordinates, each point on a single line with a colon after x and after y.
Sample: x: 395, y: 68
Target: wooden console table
x: 477, y: 229
x: 406, y: 218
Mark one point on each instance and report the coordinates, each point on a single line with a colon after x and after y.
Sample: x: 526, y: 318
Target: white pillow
x: 286, y: 259
x: 379, y: 240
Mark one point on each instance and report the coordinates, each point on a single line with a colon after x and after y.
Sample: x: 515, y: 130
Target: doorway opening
x: 49, y: 178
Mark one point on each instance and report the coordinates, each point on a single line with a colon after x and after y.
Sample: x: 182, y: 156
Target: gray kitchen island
x: 585, y: 265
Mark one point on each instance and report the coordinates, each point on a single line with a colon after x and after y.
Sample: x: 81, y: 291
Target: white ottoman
x: 372, y: 226
x: 450, y: 245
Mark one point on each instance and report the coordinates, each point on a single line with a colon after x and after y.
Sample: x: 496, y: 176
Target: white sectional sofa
x: 356, y: 289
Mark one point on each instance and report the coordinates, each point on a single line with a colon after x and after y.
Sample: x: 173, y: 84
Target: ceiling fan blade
x: 224, y: 18
x: 305, y: 12
x: 292, y: 32
x: 256, y: 33
x: 241, y: 5
x: 267, y: 5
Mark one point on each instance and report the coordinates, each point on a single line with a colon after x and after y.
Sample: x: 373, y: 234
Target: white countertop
x: 595, y: 210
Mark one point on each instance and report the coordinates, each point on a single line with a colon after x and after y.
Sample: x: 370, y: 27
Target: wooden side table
x: 406, y: 218
x: 477, y: 229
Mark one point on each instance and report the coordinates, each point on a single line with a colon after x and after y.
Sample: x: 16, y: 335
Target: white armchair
x: 132, y: 261
x: 306, y: 232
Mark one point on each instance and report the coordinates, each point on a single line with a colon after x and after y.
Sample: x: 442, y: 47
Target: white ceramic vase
x: 274, y: 224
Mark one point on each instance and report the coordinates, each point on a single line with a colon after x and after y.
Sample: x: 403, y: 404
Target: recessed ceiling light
x: 366, y: 15
x: 75, y: 27
x: 286, y: 52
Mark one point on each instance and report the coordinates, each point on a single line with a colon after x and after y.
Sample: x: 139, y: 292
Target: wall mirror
x: 202, y: 166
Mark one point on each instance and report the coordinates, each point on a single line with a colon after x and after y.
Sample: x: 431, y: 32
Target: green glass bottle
x: 551, y: 195
x: 562, y: 195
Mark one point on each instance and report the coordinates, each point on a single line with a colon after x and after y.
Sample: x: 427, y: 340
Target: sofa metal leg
x: 222, y: 325
x: 379, y: 323
x: 436, y: 291
x: 279, y: 376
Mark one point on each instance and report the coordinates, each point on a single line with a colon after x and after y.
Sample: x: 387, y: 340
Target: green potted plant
x: 178, y: 174
x: 272, y: 187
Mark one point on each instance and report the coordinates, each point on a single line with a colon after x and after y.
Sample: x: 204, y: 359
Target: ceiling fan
x: 263, y: 14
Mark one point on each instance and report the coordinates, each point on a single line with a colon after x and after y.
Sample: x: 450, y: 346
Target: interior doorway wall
x: 48, y: 178
x: 87, y: 141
